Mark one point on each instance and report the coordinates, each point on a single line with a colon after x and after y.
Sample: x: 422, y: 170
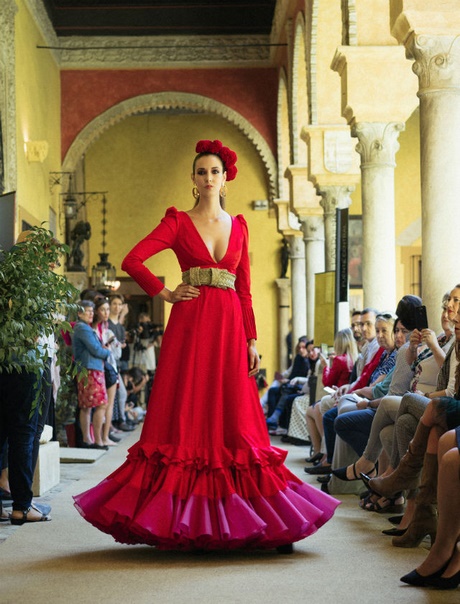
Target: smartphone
x: 324, y: 350
x: 421, y: 319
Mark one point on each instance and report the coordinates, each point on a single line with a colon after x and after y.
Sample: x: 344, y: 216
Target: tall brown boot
x: 425, y: 519
x: 406, y: 475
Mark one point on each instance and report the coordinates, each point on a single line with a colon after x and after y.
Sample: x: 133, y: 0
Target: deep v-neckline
x: 204, y: 244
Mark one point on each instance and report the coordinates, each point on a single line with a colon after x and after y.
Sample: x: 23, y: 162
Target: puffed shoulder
x: 171, y: 218
x: 242, y: 220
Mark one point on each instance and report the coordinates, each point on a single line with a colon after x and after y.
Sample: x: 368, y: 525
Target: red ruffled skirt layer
x: 174, y: 498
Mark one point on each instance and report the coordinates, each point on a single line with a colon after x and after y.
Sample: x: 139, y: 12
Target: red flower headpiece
x: 227, y: 156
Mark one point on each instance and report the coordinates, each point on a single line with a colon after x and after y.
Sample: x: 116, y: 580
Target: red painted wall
x: 250, y: 92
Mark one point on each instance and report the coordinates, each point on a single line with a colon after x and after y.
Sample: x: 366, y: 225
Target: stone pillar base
x: 48, y: 470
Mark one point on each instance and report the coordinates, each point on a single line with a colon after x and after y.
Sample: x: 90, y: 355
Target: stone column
x: 437, y: 65
x: 377, y: 147
x: 284, y: 314
x: 313, y: 236
x: 298, y: 287
x: 333, y: 197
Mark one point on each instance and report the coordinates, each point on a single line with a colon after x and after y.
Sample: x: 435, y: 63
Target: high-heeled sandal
x: 317, y: 457
x: 366, y: 480
x: 342, y: 473
x: 390, y: 508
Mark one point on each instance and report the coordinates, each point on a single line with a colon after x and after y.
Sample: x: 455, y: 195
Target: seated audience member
x: 441, y: 568
x: 289, y: 383
x: 335, y: 375
x: 381, y: 363
x: 423, y: 372
x: 439, y: 413
x: 354, y: 426
x: 384, y: 325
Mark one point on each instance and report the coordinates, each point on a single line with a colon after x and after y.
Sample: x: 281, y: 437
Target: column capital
x: 312, y: 228
x: 283, y: 283
x: 431, y: 36
x: 437, y: 62
x: 335, y: 196
x: 378, y: 142
x: 331, y: 152
x: 302, y: 193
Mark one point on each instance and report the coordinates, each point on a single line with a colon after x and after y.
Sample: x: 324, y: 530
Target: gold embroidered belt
x: 215, y: 277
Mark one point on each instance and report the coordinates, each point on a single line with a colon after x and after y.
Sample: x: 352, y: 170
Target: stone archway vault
x: 170, y: 100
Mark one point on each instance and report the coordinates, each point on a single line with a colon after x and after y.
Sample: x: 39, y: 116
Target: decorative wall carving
x: 338, y: 151
x: 148, y: 51
x: 170, y: 100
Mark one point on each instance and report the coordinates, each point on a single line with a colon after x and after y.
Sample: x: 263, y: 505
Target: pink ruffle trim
x: 187, y: 506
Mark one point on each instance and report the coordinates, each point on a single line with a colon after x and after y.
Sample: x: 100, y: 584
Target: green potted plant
x: 34, y: 300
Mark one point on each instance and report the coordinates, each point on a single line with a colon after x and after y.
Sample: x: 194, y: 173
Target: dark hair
x: 89, y: 294
x: 99, y: 300
x: 199, y: 156
x: 203, y: 154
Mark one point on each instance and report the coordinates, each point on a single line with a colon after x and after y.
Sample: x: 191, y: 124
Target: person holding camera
x: 143, y: 344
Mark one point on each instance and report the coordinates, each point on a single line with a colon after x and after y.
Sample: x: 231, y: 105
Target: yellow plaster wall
x: 373, y: 23
x: 407, y: 201
x: 407, y: 176
x: 37, y: 119
x: 145, y: 163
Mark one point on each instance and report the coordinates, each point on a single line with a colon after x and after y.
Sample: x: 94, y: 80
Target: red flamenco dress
x: 203, y: 474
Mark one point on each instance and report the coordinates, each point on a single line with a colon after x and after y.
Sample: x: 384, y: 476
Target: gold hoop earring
x: 195, y: 193
x: 223, y: 191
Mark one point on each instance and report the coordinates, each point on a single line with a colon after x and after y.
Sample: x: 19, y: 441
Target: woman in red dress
x: 203, y: 474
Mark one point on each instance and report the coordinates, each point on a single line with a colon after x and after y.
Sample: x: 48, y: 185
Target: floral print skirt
x: 91, y: 390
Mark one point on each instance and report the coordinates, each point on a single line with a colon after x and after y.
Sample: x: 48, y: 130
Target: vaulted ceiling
x: 160, y: 17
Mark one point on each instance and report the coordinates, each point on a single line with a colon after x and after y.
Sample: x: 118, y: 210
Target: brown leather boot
x: 406, y: 475
x: 425, y: 519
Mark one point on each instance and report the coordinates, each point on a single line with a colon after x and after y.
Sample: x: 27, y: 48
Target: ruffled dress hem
x: 246, y: 500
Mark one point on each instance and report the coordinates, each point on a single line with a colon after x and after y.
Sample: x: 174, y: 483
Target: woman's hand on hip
x: 182, y: 293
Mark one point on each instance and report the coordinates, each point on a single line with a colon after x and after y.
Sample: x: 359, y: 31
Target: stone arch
x: 283, y: 134
x: 299, y: 92
x: 311, y: 40
x: 173, y: 101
